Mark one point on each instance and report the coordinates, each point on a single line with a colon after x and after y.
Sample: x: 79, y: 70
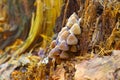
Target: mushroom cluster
x: 66, y: 41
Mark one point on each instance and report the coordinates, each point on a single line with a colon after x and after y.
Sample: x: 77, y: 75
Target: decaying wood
x: 102, y: 68
x: 97, y: 68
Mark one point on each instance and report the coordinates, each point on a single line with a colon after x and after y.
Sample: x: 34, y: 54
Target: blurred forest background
x: 28, y: 27
x: 23, y: 28
x: 16, y: 18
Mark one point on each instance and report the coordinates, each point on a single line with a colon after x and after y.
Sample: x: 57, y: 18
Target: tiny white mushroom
x: 73, y: 48
x: 53, y: 44
x: 73, y: 15
x: 63, y: 46
x: 72, y: 40
x: 64, y: 55
x: 62, y: 30
x: 75, y: 29
x: 71, y: 20
x: 54, y: 53
x: 69, y: 24
x: 64, y: 36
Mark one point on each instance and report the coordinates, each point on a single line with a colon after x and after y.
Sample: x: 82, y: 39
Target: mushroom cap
x: 73, y: 48
x: 62, y: 30
x: 64, y: 36
x: 53, y: 44
x: 75, y: 29
x: 64, y: 55
x: 72, y: 40
x: 71, y: 21
x: 73, y: 15
x: 69, y: 24
x: 63, y: 46
x: 54, y: 53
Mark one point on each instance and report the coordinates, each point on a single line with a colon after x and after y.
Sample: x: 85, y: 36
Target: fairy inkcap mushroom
x: 73, y: 15
x: 64, y: 55
x: 54, y: 53
x: 72, y: 19
x: 72, y: 40
x: 53, y: 44
x: 75, y: 29
x: 73, y: 48
x: 69, y: 24
x: 62, y: 30
x: 63, y: 46
x: 64, y: 36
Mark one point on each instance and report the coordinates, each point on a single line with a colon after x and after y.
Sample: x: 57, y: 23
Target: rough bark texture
x: 98, y: 68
